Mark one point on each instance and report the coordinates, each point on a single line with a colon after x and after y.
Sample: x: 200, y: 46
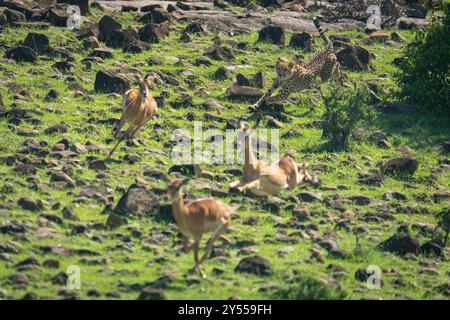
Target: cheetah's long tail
x: 322, y: 33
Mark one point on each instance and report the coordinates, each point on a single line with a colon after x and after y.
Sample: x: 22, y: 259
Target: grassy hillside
x: 145, y: 248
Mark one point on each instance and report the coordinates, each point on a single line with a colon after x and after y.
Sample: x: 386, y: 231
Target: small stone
x: 307, y: 196
x: 51, y: 263
x: 98, y: 165
x: 256, y: 265
x: 150, y: 293
x: 401, y: 243
x: 115, y: 221
x: 30, y: 204
x: 394, y: 195
x: 361, y: 200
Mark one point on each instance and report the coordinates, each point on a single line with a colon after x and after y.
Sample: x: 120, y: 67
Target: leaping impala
x: 138, y: 107
x: 197, y: 218
x: 263, y: 179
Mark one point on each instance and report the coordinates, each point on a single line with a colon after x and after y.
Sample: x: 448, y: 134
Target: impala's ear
x: 243, y: 126
x: 153, y: 76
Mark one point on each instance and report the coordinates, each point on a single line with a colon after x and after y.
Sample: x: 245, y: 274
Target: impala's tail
x: 322, y: 33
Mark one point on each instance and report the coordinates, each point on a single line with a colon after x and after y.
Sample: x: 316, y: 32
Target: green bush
x: 442, y: 230
x: 308, y: 288
x: 345, y: 109
x: 424, y: 70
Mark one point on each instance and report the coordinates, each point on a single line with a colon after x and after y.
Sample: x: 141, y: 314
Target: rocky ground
x: 63, y: 205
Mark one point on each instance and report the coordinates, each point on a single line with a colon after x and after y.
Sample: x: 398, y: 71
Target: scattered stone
x: 416, y: 10
x: 402, y: 165
x: 307, y: 196
x: 51, y: 263
x: 37, y: 41
x: 362, y: 275
x: 374, y: 178
x: 157, y: 15
x: 25, y: 168
x: 13, y: 17
x: 30, y: 204
x: 259, y: 80
x: 102, y: 53
x: 243, y: 92
x: 91, y: 42
x: 18, y: 279
x: 150, y: 293
x: 303, y: 41
x: 154, y: 32
x: 401, y: 243
x: 394, y: 195
x: 94, y: 293
x: 57, y: 128
x: 49, y: 216
x: 256, y: 265
x: 354, y: 57
x: 185, y: 37
x: 242, y: 80
x: 432, y: 248
x: 60, y: 278
x: 122, y: 38
x: 407, y: 23
x: 98, y: 165
x: 361, y: 200
x: 115, y: 221
x: 220, y: 53
x: 110, y: 82
x: 195, y: 27
x: 138, y: 200
x: 223, y: 73
x: 397, y: 37
x: 272, y: 34
x: 106, y: 26
x: 21, y: 54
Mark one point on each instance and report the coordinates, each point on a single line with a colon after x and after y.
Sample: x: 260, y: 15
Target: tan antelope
x: 196, y: 218
x: 260, y: 178
x: 138, y: 107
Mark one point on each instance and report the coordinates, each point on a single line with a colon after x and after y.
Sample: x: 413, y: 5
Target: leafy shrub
x: 345, y: 109
x: 424, y: 70
x: 307, y: 288
x: 443, y: 227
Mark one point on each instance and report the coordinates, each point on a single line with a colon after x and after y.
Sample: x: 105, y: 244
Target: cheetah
x: 297, y: 76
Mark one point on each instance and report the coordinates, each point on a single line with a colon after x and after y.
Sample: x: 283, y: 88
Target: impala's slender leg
x: 215, y: 235
x: 118, y: 126
x: 196, y: 247
x: 118, y: 141
x: 186, y: 245
x: 250, y: 185
x: 133, y: 132
x: 235, y: 184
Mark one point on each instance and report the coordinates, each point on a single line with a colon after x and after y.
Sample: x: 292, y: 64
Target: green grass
x: 139, y: 265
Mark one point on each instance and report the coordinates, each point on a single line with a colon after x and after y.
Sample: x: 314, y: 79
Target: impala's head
x: 146, y: 81
x: 173, y: 187
x: 245, y: 127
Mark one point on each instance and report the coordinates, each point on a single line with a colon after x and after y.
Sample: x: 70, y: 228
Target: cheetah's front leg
x: 280, y: 97
x: 257, y: 105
